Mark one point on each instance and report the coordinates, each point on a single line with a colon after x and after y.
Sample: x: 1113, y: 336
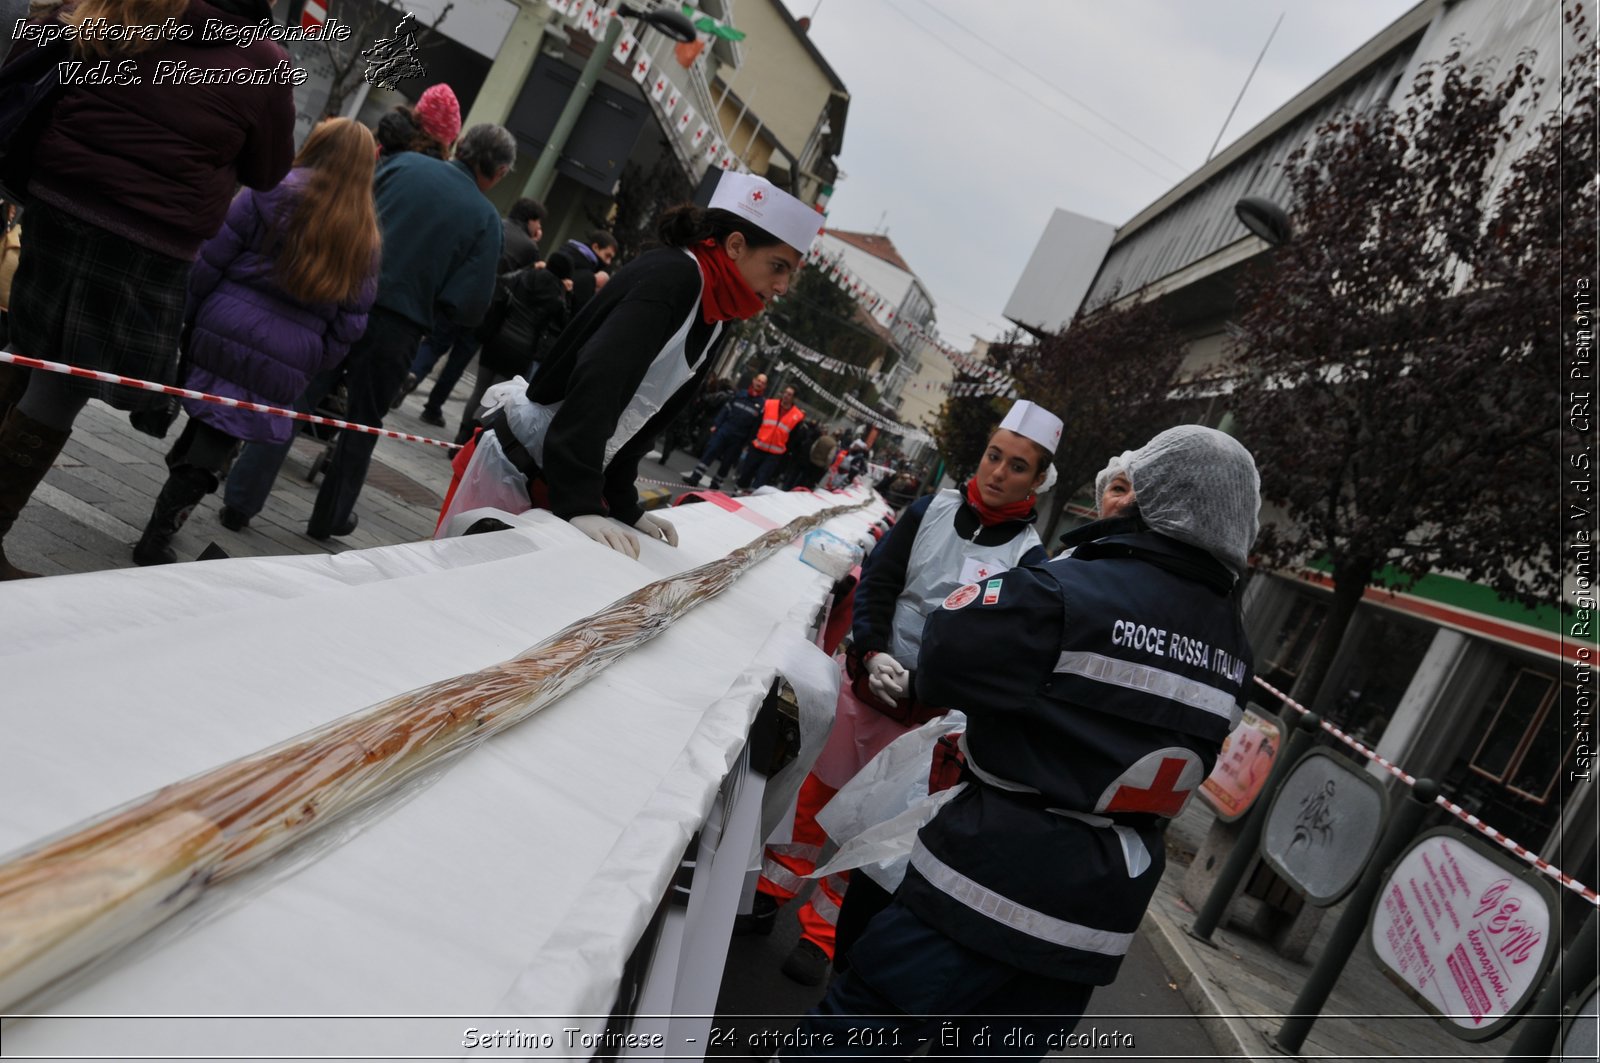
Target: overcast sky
x: 971, y: 122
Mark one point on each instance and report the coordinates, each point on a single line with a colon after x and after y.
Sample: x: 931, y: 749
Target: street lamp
x: 1264, y: 218
x: 671, y: 23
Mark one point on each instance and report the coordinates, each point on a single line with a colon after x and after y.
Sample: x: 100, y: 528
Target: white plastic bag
x: 876, y: 815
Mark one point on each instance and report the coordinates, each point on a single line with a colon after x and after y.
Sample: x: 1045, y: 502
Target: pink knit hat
x: 439, y: 114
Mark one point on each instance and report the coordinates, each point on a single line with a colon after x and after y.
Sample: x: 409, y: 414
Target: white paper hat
x: 1032, y: 421
x: 761, y: 202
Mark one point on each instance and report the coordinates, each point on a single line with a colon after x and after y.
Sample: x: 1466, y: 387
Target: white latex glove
x: 886, y: 678
x: 657, y: 528
x: 607, y: 532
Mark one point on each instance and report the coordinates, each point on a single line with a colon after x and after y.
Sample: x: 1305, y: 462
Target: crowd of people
x: 227, y: 260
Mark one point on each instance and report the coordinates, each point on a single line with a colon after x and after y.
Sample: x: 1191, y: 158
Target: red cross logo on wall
x: 1160, y: 783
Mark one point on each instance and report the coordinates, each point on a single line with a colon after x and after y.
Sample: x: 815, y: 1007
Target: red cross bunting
x: 1160, y: 797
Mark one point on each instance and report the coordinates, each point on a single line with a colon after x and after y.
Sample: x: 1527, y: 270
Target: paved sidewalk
x: 94, y: 502
x: 1241, y: 989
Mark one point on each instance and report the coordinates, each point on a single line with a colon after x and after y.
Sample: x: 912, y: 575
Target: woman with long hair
x: 126, y: 181
x: 632, y: 360
x: 276, y: 297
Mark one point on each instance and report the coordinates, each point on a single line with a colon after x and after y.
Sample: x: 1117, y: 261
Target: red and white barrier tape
x: 221, y: 400
x: 1525, y: 854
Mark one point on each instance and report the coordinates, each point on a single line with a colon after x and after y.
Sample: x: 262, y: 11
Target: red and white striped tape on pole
x: 221, y: 400
x: 1454, y: 809
x: 313, y: 15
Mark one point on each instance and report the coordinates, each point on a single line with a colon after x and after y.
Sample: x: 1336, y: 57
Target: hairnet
x: 1118, y: 464
x: 1200, y: 487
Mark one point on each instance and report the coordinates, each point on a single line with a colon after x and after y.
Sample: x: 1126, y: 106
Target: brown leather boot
x: 27, y: 449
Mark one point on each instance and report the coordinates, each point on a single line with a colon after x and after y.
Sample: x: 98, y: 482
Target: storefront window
x: 1362, y: 696
x: 1295, y: 641
x: 1518, y: 749
x: 1508, y: 770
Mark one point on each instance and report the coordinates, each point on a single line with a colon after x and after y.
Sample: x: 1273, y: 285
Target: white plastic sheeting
x: 515, y: 882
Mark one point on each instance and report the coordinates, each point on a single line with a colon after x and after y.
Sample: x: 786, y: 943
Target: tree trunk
x: 1348, y: 586
x: 1058, y: 504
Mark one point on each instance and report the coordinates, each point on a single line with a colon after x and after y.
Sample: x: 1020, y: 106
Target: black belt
x: 511, y: 446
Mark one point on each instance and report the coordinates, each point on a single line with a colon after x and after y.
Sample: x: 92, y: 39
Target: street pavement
x: 1177, y: 998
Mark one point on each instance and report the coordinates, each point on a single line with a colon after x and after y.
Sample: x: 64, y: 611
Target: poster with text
x: 1242, y: 766
x: 1465, y: 929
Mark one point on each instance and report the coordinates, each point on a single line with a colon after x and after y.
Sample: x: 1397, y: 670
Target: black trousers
x: 908, y: 984
x: 374, y: 372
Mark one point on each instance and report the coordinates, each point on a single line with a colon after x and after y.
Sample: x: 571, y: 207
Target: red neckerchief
x: 727, y: 295
x: 988, y: 515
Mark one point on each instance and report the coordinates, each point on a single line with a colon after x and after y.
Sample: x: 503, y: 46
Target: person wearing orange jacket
x: 778, y: 418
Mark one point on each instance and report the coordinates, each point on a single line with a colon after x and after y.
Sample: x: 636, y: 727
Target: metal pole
x: 1538, y: 1030
x: 1246, y: 86
x: 544, y: 171
x: 1244, y: 847
x: 1342, y: 942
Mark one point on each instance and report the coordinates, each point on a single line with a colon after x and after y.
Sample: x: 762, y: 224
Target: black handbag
x: 30, y: 82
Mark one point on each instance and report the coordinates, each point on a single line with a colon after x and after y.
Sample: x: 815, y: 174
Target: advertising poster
x: 1242, y: 766
x: 1465, y: 930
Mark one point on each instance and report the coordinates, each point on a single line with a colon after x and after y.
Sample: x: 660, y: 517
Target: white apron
x: 941, y: 560
x: 492, y: 480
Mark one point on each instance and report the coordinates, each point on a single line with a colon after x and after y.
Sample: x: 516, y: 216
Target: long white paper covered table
x: 514, y: 883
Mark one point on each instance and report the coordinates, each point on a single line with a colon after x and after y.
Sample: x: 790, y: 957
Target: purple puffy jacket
x: 251, y: 340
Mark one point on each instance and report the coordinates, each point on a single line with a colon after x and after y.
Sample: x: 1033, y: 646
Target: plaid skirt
x: 93, y: 299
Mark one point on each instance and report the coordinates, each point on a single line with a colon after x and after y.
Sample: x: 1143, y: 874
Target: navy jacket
x: 1098, y: 688
x: 740, y: 417
x: 441, y: 241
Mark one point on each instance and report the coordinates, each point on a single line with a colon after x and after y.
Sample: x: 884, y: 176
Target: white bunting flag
x: 658, y: 87
x: 699, y: 138
x: 686, y: 118
x: 671, y: 106
x: 641, y: 68
x: 623, y: 52
x: 713, y: 149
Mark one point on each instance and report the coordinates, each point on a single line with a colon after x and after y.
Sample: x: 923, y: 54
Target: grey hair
x: 486, y: 148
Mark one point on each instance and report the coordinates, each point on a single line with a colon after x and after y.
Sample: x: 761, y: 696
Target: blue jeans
x: 258, y: 464
x: 461, y: 346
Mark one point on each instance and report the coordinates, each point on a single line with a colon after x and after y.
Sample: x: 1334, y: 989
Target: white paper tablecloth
x: 458, y: 900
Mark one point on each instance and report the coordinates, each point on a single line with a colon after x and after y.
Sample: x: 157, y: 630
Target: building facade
x: 1443, y: 678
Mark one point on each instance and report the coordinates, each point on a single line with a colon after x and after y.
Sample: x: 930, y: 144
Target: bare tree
x: 369, y: 20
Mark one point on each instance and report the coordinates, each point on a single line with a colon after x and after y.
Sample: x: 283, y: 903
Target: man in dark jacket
x: 733, y: 429
x: 441, y: 242
x: 521, y: 230
x: 586, y: 258
x: 1098, y: 689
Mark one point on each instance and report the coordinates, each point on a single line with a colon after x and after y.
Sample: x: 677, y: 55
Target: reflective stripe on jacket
x: 773, y: 436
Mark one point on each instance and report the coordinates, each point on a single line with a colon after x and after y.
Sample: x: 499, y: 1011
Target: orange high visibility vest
x: 773, y: 436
